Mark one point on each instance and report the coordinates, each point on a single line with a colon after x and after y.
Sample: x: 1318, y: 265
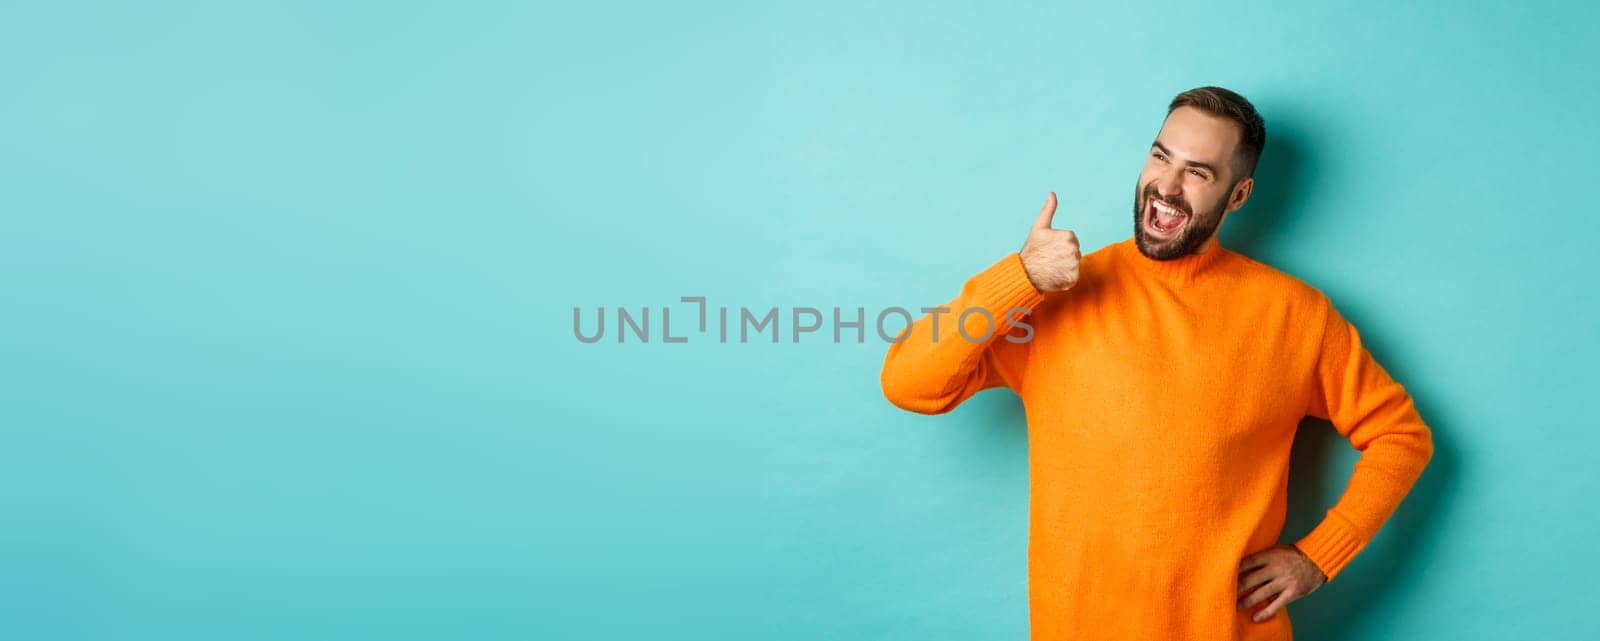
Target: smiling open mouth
x: 1163, y: 218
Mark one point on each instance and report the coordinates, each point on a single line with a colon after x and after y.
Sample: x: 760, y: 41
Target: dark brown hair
x: 1227, y: 104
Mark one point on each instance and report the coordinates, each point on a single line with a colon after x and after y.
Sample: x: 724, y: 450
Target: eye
x: 1158, y: 156
x: 1197, y: 173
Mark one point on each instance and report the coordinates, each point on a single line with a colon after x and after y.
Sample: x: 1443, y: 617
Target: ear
x: 1241, y: 193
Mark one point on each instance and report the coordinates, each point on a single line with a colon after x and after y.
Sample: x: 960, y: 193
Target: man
x: 1163, y: 377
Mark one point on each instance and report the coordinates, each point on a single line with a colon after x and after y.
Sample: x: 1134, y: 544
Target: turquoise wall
x: 288, y: 348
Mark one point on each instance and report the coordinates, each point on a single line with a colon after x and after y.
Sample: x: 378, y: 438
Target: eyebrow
x: 1190, y: 163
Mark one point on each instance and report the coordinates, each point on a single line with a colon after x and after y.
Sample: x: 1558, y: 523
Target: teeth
x: 1163, y: 208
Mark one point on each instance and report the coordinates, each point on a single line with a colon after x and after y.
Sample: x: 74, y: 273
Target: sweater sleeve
x: 1353, y: 392
x: 936, y: 363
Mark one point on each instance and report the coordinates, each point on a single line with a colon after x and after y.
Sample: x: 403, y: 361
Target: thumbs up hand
x: 1051, y: 256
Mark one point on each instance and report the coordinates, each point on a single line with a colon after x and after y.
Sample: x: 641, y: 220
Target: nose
x: 1170, y: 182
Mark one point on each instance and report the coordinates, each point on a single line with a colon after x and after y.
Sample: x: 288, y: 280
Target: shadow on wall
x: 1322, y: 460
x: 1281, y: 179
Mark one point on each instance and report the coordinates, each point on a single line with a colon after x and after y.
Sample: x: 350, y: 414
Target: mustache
x: 1175, y: 201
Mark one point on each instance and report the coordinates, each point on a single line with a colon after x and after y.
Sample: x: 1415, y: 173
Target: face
x: 1187, y: 185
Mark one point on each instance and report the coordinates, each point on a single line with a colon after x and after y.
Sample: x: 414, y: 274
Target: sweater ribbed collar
x: 1182, y: 270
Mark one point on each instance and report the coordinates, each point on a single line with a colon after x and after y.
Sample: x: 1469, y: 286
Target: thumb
x: 1047, y: 214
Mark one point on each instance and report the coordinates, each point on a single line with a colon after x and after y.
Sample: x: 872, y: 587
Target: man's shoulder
x: 1108, y: 249
x: 1105, y: 255
x: 1279, y: 284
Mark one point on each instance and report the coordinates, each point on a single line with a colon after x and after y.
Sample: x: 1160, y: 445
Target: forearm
x: 1383, y: 476
x: 944, y: 357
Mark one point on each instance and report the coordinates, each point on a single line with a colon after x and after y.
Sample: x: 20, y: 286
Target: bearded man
x: 1163, y: 379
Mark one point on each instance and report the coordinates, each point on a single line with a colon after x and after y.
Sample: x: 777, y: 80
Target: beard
x: 1198, y: 225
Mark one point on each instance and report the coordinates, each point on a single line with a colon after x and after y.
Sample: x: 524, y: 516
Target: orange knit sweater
x: 1162, y: 399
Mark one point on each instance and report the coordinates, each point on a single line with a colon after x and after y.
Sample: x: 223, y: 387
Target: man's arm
x: 935, y: 365
x: 1352, y: 391
x: 931, y: 372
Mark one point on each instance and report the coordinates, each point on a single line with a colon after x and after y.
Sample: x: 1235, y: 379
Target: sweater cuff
x: 1004, y: 286
x: 1332, y: 544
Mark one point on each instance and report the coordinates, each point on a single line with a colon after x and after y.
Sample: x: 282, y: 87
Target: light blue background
x: 288, y: 292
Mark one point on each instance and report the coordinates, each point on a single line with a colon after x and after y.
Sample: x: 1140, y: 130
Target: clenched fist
x: 1051, y: 255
